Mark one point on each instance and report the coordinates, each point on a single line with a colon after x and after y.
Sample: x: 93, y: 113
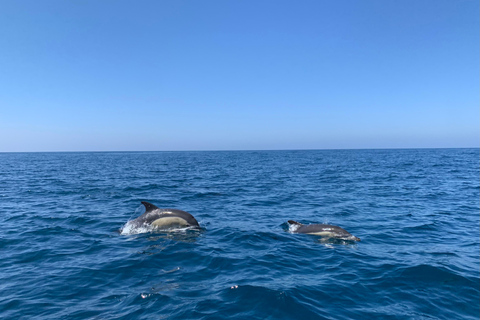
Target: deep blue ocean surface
x: 416, y: 212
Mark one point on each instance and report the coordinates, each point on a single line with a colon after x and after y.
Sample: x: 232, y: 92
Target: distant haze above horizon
x: 238, y: 75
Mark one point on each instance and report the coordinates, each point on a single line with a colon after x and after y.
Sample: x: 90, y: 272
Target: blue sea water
x: 416, y: 211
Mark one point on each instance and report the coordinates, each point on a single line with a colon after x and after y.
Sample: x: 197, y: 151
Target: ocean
x: 416, y: 211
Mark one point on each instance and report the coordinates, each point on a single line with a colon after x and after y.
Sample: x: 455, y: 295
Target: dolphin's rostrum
x: 323, y: 230
x: 164, y: 218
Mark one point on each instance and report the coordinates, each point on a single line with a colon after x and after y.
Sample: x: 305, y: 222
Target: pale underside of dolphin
x: 323, y: 230
x: 164, y: 218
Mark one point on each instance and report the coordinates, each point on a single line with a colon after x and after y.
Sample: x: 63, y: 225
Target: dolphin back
x: 154, y: 213
x: 326, y: 230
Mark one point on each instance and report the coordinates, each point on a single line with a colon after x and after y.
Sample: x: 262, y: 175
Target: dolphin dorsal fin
x: 149, y: 206
x: 294, y: 222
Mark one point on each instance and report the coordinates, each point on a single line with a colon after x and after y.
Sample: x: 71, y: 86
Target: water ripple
x: 416, y: 212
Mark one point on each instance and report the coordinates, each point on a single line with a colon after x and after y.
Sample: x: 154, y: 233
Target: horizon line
x: 238, y: 150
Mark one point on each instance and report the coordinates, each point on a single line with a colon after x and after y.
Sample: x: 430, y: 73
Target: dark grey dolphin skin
x: 324, y: 230
x: 164, y: 218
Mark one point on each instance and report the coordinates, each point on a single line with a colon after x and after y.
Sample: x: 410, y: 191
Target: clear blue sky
x: 115, y: 75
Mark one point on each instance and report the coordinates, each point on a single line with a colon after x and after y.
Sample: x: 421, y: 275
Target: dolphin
x: 164, y: 218
x: 324, y: 230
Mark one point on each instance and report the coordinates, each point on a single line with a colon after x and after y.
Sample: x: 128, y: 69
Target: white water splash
x: 130, y: 228
x: 292, y: 228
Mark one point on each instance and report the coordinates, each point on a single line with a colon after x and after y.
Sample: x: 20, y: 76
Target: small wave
x: 200, y: 195
x: 262, y: 203
x: 421, y: 227
x: 150, y: 186
x: 434, y: 274
x: 263, y: 302
x: 207, y: 194
x: 330, y: 242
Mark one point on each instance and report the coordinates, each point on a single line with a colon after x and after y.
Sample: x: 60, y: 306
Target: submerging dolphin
x: 323, y: 230
x: 164, y: 218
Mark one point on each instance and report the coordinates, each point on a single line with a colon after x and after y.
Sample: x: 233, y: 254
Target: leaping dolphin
x: 323, y: 230
x: 164, y: 218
